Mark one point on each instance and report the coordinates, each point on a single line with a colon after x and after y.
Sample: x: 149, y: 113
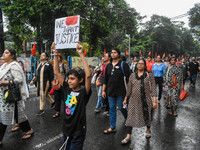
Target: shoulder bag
x: 12, y: 94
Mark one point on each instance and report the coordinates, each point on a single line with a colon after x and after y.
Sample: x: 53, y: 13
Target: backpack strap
x: 122, y: 67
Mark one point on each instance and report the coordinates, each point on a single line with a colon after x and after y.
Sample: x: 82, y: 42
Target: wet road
x: 168, y: 132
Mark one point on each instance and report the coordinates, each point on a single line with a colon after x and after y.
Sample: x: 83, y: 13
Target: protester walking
x: 141, y: 87
x: 158, y: 71
x: 149, y: 63
x: 184, y: 68
x: 77, y: 90
x: 43, y: 79
x: 59, y: 93
x: 100, y: 79
x: 115, y: 85
x: 166, y: 62
x: 12, y: 74
x: 173, y: 80
x: 193, y: 69
x: 134, y: 64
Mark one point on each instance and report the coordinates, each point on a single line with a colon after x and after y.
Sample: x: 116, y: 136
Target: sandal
x: 28, y: 135
x: 125, y: 141
x: 15, y: 128
x: 175, y: 114
x: 57, y: 114
x: 148, y: 134
x: 171, y: 113
x: 110, y: 130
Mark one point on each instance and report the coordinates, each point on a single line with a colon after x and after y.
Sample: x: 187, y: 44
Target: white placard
x: 67, y: 31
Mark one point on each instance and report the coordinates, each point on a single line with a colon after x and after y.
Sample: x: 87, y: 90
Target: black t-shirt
x: 193, y: 67
x: 114, y: 79
x: 74, y: 123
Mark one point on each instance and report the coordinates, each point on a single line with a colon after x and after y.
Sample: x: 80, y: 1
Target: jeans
x: 193, y: 78
x: 99, y: 102
x: 74, y: 142
x: 112, y: 108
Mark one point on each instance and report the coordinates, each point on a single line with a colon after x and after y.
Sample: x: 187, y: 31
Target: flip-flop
x: 107, y: 131
x: 15, y: 128
x: 125, y: 141
x: 31, y: 134
x: 170, y: 113
x: 175, y: 115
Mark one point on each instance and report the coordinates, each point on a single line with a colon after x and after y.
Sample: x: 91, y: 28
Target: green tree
x: 194, y: 20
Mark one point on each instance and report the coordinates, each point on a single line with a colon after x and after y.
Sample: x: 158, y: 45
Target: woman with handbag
x: 58, y: 90
x: 12, y: 74
x: 173, y: 80
x: 99, y: 87
x: 43, y: 79
x: 140, y: 87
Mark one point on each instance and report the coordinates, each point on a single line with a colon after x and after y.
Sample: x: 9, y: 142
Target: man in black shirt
x: 193, y: 69
x: 116, y: 90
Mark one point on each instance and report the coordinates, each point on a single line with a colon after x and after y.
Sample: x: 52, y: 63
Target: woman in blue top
x: 158, y: 70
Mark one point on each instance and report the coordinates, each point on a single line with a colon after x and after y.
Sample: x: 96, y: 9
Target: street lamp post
x: 129, y: 47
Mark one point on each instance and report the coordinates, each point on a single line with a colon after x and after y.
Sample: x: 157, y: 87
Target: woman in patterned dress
x: 140, y: 88
x: 173, y: 81
x: 9, y: 112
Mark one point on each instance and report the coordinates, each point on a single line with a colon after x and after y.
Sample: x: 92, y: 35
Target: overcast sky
x: 168, y: 8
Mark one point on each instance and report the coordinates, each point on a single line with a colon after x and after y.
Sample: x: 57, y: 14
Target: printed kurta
x: 135, y: 107
x: 6, y: 109
x: 170, y: 72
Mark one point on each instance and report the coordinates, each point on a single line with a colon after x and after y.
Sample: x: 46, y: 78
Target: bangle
x: 154, y: 102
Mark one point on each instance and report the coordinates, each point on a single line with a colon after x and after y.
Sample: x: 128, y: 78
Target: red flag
x: 140, y: 53
x: 169, y: 55
x: 179, y: 56
x: 104, y: 52
x: 163, y: 55
x: 155, y: 54
x: 33, y: 51
x: 85, y: 52
x: 127, y: 53
x: 149, y: 53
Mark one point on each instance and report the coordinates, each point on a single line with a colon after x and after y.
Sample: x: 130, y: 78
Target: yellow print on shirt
x: 71, y: 104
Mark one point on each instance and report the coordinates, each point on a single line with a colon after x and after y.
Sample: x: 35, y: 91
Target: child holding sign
x: 76, y: 99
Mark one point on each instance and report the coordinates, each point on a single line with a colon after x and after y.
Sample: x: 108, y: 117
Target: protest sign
x: 67, y: 31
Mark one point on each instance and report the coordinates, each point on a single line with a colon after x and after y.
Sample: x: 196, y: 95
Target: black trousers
x: 24, y: 126
x: 159, y: 82
x: 59, y: 96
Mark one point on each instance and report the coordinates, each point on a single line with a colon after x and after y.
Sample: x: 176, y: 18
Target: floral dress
x: 176, y: 73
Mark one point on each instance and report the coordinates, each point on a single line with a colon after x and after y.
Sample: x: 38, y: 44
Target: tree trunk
x: 1, y: 34
x: 38, y: 39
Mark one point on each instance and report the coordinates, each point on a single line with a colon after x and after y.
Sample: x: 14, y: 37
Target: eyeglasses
x: 141, y: 64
